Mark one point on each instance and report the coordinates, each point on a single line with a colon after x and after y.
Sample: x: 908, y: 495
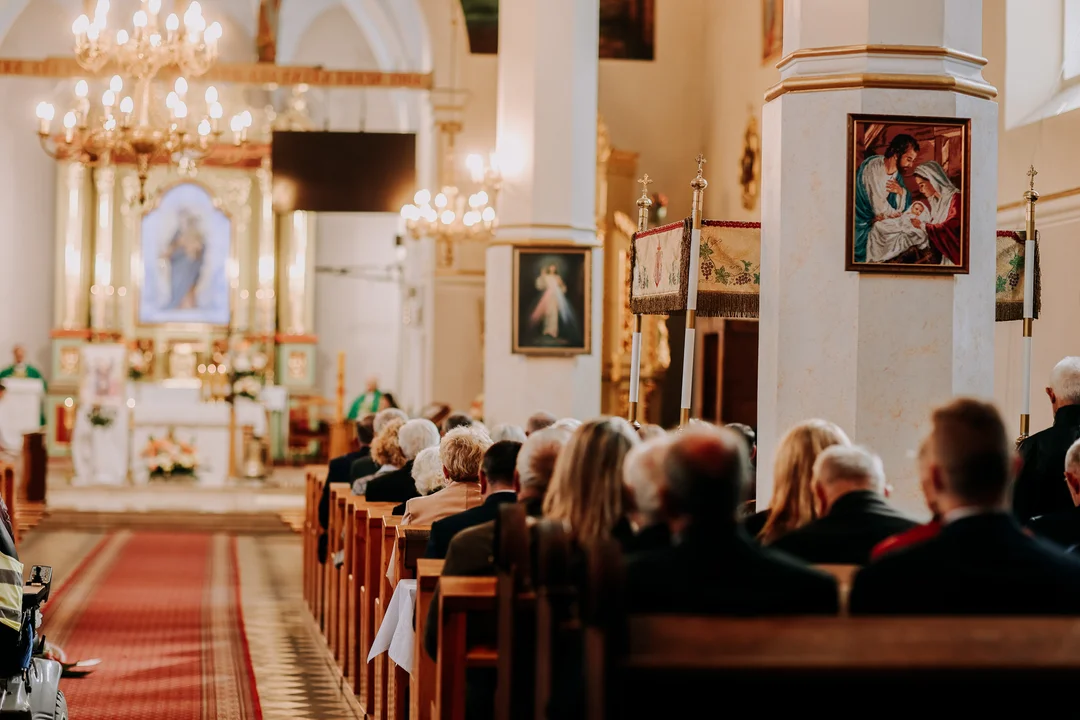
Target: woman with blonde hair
x: 792, y: 504
x: 586, y: 488
x: 386, y: 452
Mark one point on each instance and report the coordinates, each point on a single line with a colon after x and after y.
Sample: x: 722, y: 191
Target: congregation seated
x: 712, y: 567
x: 538, y: 421
x: 456, y: 420
x: 650, y: 432
x: 642, y: 473
x: 398, y: 485
x: 981, y: 562
x: 1039, y: 489
x: 853, y: 516
x: 385, y: 453
x: 1063, y: 527
x: 919, y: 533
x: 366, y: 466
x: 338, y: 472
x: 513, y: 433
x: 497, y: 486
x: 792, y: 504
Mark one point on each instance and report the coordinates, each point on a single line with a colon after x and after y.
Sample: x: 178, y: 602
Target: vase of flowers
x: 247, y: 386
x: 138, y: 366
x: 101, y: 416
x: 167, y: 458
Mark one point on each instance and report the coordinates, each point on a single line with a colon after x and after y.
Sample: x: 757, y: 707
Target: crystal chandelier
x: 132, y: 125
x: 456, y: 213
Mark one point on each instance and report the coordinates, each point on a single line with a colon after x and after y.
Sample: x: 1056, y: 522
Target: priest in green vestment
x: 22, y: 369
x: 368, y: 402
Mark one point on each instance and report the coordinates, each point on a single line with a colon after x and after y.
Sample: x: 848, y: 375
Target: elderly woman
x: 399, y: 486
x: 427, y: 472
x: 387, y: 454
x: 643, y: 473
x: 513, y: 433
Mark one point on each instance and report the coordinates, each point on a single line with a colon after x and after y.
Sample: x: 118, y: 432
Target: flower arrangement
x: 138, y: 367
x: 247, y: 386
x: 101, y: 416
x: 168, y: 458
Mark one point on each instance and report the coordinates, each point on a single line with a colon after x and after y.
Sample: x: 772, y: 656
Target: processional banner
x: 729, y: 282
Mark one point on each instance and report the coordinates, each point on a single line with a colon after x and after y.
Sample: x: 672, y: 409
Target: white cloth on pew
x: 396, y: 634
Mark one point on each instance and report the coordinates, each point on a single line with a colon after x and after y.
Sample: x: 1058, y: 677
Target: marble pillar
x: 873, y: 353
x: 102, y: 292
x: 546, y: 145
x: 73, y: 218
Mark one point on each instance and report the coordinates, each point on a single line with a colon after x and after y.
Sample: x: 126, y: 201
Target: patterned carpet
x: 197, y: 625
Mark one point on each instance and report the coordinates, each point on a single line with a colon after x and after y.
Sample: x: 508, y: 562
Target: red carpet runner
x: 162, y: 611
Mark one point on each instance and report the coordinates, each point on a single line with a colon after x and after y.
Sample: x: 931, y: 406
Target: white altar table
x: 20, y: 410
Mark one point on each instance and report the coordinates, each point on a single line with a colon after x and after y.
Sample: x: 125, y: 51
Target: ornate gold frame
x: 552, y: 249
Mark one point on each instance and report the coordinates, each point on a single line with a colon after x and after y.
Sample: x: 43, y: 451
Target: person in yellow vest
x: 369, y: 402
x: 22, y: 369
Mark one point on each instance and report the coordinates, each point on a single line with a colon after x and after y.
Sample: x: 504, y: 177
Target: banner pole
x: 1031, y: 196
x: 643, y: 205
x: 689, y: 345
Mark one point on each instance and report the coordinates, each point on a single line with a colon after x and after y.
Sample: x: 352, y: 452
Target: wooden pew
x: 10, y: 495
x: 423, y: 680
x: 331, y: 573
x: 314, y: 570
x: 460, y: 598
x: 382, y: 600
x: 845, y: 575
x: 369, y: 593
x: 411, y: 543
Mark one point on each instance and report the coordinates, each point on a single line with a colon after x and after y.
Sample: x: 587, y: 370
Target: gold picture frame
x: 552, y: 300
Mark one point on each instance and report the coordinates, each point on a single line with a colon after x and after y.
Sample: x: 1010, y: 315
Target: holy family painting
x: 186, y: 246
x: 908, y: 189
x: 551, y: 301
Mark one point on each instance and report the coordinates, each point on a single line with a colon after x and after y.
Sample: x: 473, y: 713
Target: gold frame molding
x: 887, y: 81
x: 918, y: 50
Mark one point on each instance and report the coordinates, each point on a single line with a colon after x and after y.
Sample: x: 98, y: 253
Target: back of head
x: 644, y: 474
x: 536, y: 460
x: 849, y: 466
x: 1072, y: 459
x: 706, y: 470
x: 538, y: 421
x: 746, y: 431
x: 1065, y: 381
x: 499, y: 462
x: 567, y: 423
x: 365, y: 428
x: 650, y: 432
x: 507, y: 432
x: 427, y: 472
x: 586, y: 487
x: 792, y: 504
x: 462, y: 450
x: 416, y: 435
x: 386, y: 448
x: 970, y: 446
x: 385, y: 416
x: 456, y: 420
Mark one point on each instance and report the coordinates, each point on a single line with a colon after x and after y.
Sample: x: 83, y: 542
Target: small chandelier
x: 96, y: 136
x: 454, y: 214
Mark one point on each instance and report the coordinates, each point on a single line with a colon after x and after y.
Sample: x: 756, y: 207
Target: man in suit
x: 471, y: 552
x: 497, y: 484
x: 848, y: 485
x: 1063, y: 527
x: 398, y: 485
x: 981, y: 562
x: 1039, y: 490
x: 712, y: 567
x: 366, y: 465
x: 338, y: 473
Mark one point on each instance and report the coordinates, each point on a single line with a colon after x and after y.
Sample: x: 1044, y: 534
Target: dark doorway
x: 740, y: 373
x: 710, y: 386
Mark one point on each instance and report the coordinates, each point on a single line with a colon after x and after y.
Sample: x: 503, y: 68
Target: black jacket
x: 396, y: 486
x: 443, y: 531
x: 362, y: 468
x: 1040, y: 488
x: 337, y: 472
x: 979, y: 565
x: 856, y: 523
x: 726, y: 573
x: 1061, y: 527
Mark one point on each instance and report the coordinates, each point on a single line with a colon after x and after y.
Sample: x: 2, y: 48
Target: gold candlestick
x: 698, y: 184
x: 643, y: 204
x: 1031, y: 196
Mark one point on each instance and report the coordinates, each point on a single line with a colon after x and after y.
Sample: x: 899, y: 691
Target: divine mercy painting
x: 772, y: 29
x: 908, y: 194
x: 551, y: 301
x: 186, y: 245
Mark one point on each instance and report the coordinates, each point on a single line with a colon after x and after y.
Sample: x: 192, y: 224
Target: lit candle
x: 80, y: 27
x: 237, y: 126
x: 216, y: 111
x: 172, y: 24
x: 45, y: 113
x: 181, y: 87
x: 69, y: 126
x: 127, y: 106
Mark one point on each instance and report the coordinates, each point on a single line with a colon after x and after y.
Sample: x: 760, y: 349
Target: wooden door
x: 738, y: 397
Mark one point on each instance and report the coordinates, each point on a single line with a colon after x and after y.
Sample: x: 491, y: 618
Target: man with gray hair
x: 848, y: 485
x: 1063, y: 527
x: 646, y: 482
x: 1039, y: 490
x: 538, y: 421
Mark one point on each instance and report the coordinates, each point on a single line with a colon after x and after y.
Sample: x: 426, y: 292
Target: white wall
x: 357, y: 316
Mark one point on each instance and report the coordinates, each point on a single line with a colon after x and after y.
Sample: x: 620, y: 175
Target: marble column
x: 265, y: 320
x: 102, y: 297
x: 873, y: 353
x: 73, y: 258
x: 546, y: 145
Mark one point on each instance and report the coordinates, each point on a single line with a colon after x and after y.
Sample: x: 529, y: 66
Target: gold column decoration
x: 265, y: 321
x: 73, y: 252
x: 295, y: 300
x: 1031, y: 196
x: 102, y: 297
x: 698, y: 184
x: 644, y: 204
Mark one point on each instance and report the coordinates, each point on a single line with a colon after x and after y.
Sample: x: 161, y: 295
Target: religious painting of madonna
x: 907, y: 194
x: 551, y: 301
x: 186, y: 246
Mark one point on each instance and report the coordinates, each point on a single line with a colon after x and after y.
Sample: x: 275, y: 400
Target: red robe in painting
x: 946, y: 236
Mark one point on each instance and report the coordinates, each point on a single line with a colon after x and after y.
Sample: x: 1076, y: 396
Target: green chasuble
x: 22, y: 370
x: 366, y: 403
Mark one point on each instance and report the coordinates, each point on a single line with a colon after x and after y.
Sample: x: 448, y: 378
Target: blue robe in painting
x: 184, y: 272
x: 864, y: 207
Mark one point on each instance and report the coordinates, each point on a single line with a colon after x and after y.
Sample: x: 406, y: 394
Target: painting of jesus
x: 551, y: 314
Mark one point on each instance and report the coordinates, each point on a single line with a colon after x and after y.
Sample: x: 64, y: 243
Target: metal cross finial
x: 700, y: 163
x: 1031, y: 173
x: 645, y: 182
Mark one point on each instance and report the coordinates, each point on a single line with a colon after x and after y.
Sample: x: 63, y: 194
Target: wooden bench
x: 411, y: 543
x: 423, y: 680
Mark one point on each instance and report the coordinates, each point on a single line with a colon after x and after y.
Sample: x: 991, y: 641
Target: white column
x: 546, y: 144
x: 873, y: 353
x: 296, y: 304
x: 265, y: 320
x: 102, y: 299
x: 73, y: 256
